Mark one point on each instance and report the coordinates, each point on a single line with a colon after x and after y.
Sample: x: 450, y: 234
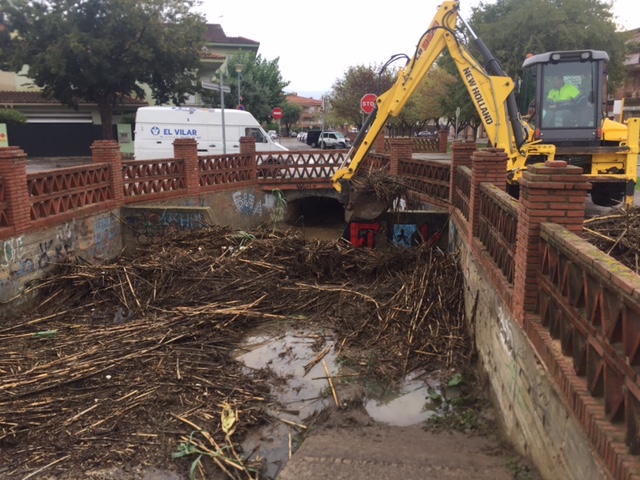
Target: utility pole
x: 222, y: 89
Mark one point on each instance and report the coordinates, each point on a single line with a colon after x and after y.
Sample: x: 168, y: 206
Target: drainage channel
x: 302, y: 389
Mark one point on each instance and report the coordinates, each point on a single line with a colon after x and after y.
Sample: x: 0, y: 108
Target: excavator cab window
x: 562, y: 94
x: 568, y: 96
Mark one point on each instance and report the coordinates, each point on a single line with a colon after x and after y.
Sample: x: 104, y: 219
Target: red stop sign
x: 368, y: 103
x: 276, y: 113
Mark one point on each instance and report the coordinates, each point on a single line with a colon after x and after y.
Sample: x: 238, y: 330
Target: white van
x: 158, y: 127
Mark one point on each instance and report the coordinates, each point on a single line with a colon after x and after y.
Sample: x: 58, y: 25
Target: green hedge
x: 9, y: 115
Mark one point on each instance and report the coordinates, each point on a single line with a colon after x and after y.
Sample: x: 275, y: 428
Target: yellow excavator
x: 538, y: 126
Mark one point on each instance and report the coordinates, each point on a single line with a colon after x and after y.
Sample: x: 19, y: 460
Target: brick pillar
x: 488, y: 165
x: 187, y: 149
x: 400, y: 148
x: 13, y: 170
x: 108, y: 151
x: 461, y: 157
x: 443, y: 140
x: 248, y: 147
x: 378, y: 143
x: 549, y: 192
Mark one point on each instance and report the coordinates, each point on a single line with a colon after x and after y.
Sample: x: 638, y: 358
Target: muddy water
x: 298, y: 357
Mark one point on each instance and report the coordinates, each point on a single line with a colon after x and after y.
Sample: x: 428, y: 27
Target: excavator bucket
x: 364, y: 205
x: 366, y: 198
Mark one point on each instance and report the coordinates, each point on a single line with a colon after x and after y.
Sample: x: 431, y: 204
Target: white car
x: 273, y: 134
x: 333, y: 140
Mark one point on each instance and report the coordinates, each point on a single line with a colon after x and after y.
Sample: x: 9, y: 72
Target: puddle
x: 293, y: 354
x: 407, y: 404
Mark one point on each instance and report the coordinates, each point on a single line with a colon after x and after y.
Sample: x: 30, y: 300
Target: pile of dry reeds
x: 617, y: 233
x: 125, y: 360
x: 382, y: 184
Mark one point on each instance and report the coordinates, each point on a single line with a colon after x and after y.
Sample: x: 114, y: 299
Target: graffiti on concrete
x: 105, y: 229
x: 12, y: 250
x: 65, y: 239
x: 246, y: 203
x: 150, y: 226
x: 26, y: 257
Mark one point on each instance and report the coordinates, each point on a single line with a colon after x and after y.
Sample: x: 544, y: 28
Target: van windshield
x: 257, y: 134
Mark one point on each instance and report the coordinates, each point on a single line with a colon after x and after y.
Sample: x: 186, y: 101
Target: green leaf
x: 455, y: 381
x: 194, y: 465
x: 46, y: 334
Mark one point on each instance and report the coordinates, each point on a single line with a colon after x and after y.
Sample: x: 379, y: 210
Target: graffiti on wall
x: 148, y: 226
x: 400, y: 234
x: 26, y: 257
x: 246, y: 203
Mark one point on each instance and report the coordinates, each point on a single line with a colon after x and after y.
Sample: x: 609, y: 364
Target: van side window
x: 257, y: 134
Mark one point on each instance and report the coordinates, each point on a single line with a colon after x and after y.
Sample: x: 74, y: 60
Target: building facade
x: 311, y: 115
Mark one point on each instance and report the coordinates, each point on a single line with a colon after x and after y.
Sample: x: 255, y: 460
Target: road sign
x: 214, y: 86
x: 276, y: 113
x: 368, y: 103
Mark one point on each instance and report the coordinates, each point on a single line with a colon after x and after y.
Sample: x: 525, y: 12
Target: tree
x: 290, y: 115
x: 347, y: 92
x: 262, y: 86
x: 514, y: 28
x: 102, y: 50
x: 425, y: 107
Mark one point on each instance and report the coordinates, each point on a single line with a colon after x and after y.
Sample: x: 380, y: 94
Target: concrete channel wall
x: 533, y: 414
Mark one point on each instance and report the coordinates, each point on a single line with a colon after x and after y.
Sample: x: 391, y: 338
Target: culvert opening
x: 315, y: 212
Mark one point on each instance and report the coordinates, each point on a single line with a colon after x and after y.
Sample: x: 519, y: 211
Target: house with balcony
x: 630, y: 91
x: 311, y: 116
x: 214, y: 55
x: 54, y: 129
x: 16, y: 90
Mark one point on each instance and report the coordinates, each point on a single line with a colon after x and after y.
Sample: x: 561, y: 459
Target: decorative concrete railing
x: 431, y: 178
x: 461, y: 191
x: 298, y: 169
x: 438, y: 144
x: 153, y: 179
x: 586, y: 329
x: 498, y: 224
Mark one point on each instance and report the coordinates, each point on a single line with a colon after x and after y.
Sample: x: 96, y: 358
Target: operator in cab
x: 560, y: 104
x: 562, y: 92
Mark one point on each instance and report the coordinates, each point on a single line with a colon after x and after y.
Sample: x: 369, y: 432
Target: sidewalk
x: 379, y: 452
x: 40, y: 164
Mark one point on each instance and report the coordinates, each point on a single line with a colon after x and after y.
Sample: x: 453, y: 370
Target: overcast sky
x: 317, y: 42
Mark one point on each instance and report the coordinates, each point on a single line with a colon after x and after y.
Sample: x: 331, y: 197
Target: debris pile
x: 132, y: 359
x: 617, y: 233
x: 382, y: 184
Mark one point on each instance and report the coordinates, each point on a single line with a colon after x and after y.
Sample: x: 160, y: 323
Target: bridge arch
x: 313, y: 208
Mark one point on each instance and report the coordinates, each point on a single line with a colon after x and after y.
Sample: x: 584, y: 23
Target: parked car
x: 302, y: 137
x: 333, y: 140
x: 427, y: 133
x: 312, y: 138
x: 273, y: 134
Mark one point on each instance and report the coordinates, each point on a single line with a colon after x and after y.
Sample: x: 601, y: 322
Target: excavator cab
x: 562, y: 95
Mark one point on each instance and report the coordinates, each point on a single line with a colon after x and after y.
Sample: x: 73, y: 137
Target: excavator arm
x: 492, y: 94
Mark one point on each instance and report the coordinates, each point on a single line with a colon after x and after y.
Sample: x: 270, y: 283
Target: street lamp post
x: 222, y: 89
x: 239, y: 67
